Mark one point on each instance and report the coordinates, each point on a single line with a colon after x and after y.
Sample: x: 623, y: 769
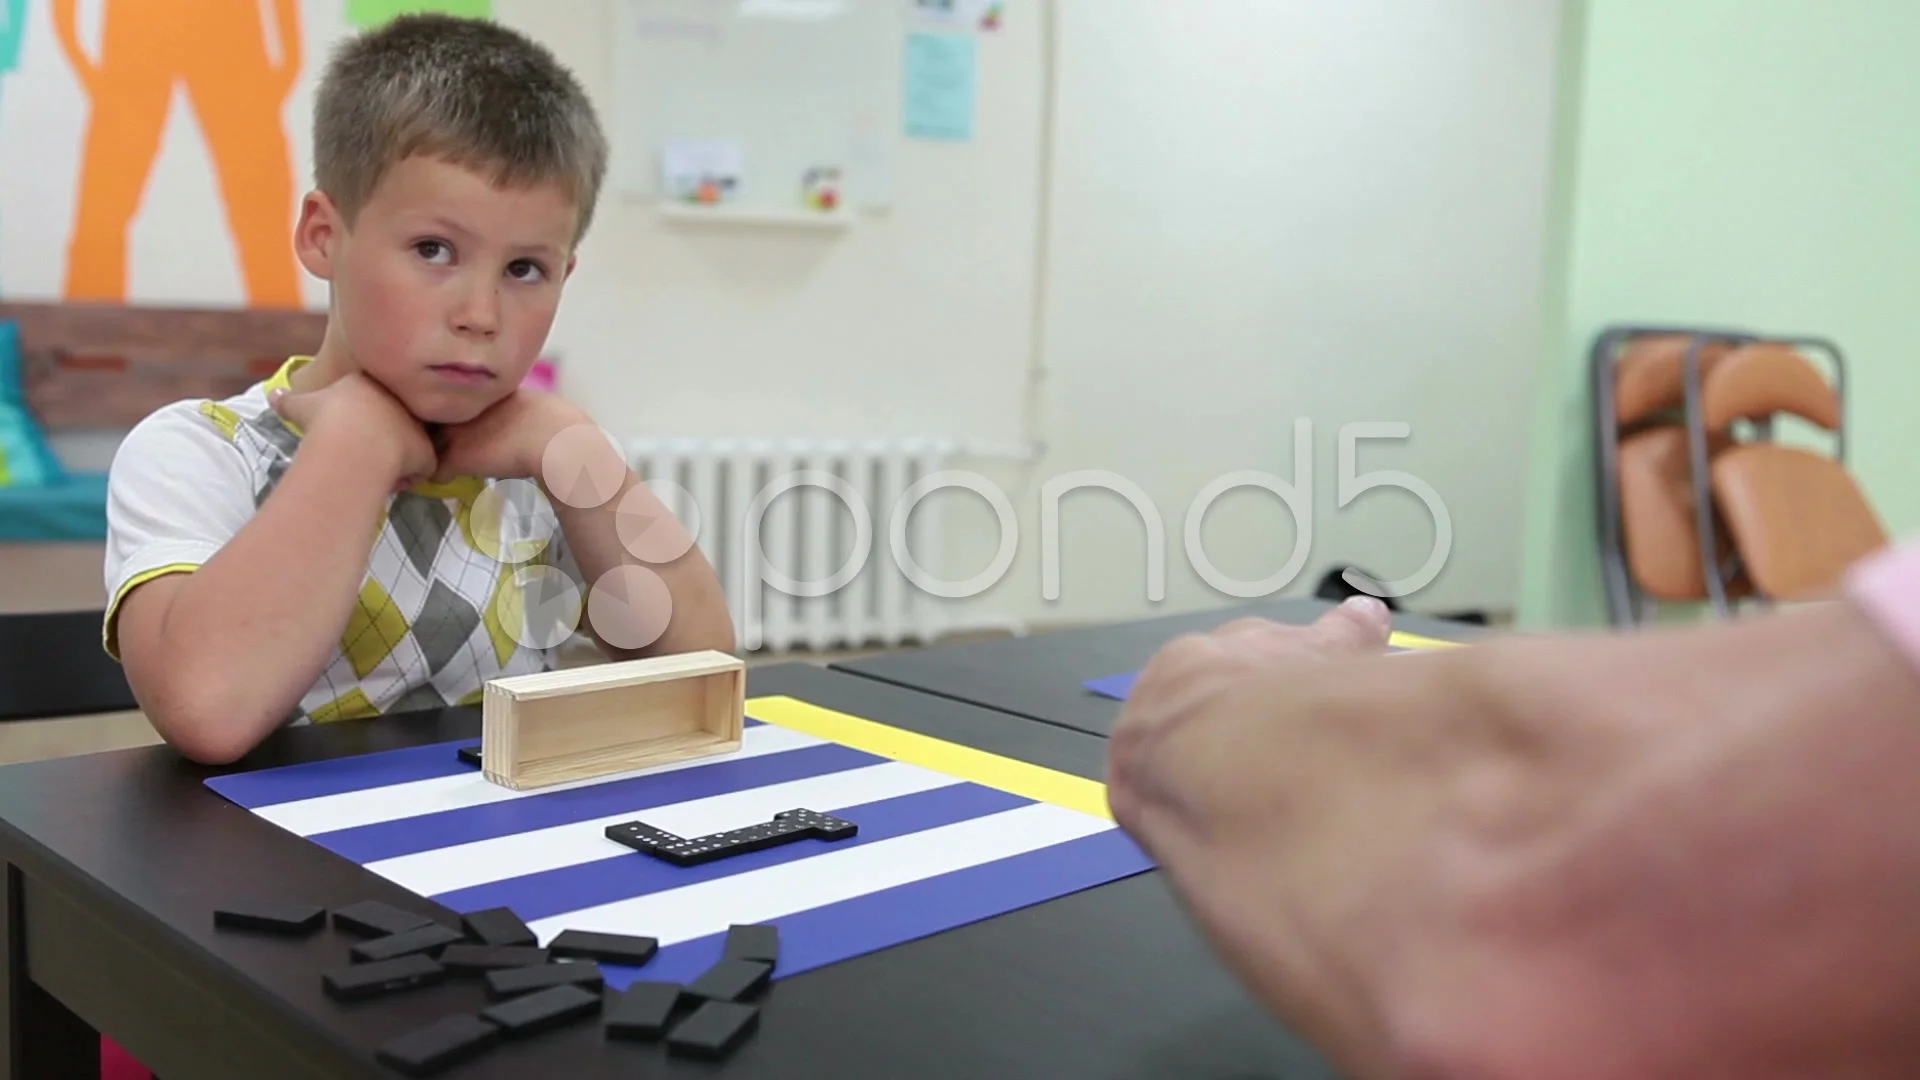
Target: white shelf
x: 695, y: 214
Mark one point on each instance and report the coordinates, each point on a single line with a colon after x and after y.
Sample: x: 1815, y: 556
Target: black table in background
x: 1039, y: 677
x: 52, y: 664
x: 114, y: 863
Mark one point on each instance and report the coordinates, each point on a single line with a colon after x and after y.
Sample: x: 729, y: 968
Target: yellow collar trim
x: 283, y: 380
x: 460, y: 487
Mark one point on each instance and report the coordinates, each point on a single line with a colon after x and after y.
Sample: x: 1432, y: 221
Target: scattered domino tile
x: 731, y: 980
x: 440, y: 1045
x: 531, y: 1014
x: 420, y: 940
x: 272, y: 916
x: 466, y: 957
x: 498, y: 926
x: 607, y: 948
x: 470, y: 755
x: 374, y: 918
x: 753, y: 942
x: 714, y: 1030
x: 357, y: 982
x: 506, y: 982
x: 785, y: 828
x: 644, y: 1011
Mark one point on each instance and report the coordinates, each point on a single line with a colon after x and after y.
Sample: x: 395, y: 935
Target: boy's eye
x: 526, y: 270
x: 432, y: 250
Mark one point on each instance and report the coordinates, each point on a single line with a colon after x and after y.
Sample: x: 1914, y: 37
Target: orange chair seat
x: 1798, y: 518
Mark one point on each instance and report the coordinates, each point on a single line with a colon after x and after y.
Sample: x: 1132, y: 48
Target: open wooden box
x: 575, y: 724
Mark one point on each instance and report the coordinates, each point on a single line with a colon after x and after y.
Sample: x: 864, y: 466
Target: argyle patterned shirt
x: 451, y: 597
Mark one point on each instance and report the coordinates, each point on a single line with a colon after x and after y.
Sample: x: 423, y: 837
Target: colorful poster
x: 983, y: 15
x: 13, y: 25
x: 237, y: 70
x: 941, y: 76
x: 370, y: 13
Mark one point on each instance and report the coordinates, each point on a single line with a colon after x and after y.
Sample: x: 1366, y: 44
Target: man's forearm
x: 1679, y: 852
x: 248, y: 633
x: 630, y: 626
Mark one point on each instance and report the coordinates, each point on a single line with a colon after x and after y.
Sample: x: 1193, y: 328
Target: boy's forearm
x: 249, y: 632
x: 698, y: 617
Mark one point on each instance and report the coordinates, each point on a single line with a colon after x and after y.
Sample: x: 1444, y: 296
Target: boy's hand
x: 358, y: 409
x: 509, y: 440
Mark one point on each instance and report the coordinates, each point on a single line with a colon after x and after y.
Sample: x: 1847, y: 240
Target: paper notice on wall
x: 941, y: 86
x: 984, y: 15
x: 793, y: 10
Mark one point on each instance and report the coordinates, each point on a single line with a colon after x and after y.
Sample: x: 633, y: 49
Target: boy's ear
x: 316, y: 234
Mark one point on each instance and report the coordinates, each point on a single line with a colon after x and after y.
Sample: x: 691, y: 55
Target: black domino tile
x: 644, y: 1011
x: 714, y: 1030
x: 627, y: 949
x: 759, y: 941
x: 498, y: 926
x: 785, y: 828
x: 374, y: 918
x: 544, y: 1010
x: 357, y: 982
x: 731, y: 980
x: 465, y: 957
x: 288, y: 918
x: 425, y: 939
x: 436, y: 1047
x: 506, y: 982
x: 470, y: 755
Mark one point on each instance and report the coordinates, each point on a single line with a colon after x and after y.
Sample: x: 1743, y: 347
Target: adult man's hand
x: 1191, y: 673
x: 1684, y: 852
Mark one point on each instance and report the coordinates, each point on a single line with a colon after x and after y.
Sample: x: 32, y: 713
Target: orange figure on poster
x: 237, y: 71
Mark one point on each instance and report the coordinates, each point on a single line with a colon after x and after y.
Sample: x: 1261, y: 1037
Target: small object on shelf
x: 820, y: 189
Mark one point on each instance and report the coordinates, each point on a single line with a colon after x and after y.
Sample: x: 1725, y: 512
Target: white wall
x: 1261, y: 210
x: 1265, y: 211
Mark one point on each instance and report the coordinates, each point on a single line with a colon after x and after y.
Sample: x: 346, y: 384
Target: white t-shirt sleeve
x: 178, y: 490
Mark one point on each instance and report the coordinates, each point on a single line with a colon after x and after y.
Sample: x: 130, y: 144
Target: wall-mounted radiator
x: 801, y: 585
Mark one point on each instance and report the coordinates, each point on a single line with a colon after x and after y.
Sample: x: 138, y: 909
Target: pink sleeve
x: 1887, y: 585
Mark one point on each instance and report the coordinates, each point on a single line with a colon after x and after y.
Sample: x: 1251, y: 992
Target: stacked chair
x: 1700, y: 501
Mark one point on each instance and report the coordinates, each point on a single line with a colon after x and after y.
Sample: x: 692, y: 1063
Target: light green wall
x: 1730, y: 162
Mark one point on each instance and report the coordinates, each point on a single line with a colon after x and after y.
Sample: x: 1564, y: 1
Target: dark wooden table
x: 1040, y: 677
x: 114, y: 863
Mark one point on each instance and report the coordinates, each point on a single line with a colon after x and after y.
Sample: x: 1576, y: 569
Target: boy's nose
x: 479, y: 312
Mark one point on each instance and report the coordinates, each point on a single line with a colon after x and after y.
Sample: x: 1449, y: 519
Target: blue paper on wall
x: 941, y: 86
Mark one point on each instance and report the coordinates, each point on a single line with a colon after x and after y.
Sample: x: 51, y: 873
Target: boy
x: 457, y: 166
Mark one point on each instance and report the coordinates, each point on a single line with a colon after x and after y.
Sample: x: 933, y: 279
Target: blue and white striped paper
x: 935, y: 850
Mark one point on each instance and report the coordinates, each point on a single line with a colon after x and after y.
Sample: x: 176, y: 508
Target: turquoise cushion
x: 73, y: 508
x: 25, y: 458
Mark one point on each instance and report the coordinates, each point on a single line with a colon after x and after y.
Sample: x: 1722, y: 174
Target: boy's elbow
x: 203, y: 724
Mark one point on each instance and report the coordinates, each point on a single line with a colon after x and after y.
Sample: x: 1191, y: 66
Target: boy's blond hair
x: 468, y: 91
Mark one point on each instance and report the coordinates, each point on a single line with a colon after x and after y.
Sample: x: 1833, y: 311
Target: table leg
x: 39, y: 1037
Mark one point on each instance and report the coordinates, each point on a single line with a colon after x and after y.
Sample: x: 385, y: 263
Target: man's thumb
x: 1362, y: 621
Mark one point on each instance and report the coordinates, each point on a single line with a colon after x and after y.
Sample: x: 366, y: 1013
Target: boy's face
x: 445, y: 288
